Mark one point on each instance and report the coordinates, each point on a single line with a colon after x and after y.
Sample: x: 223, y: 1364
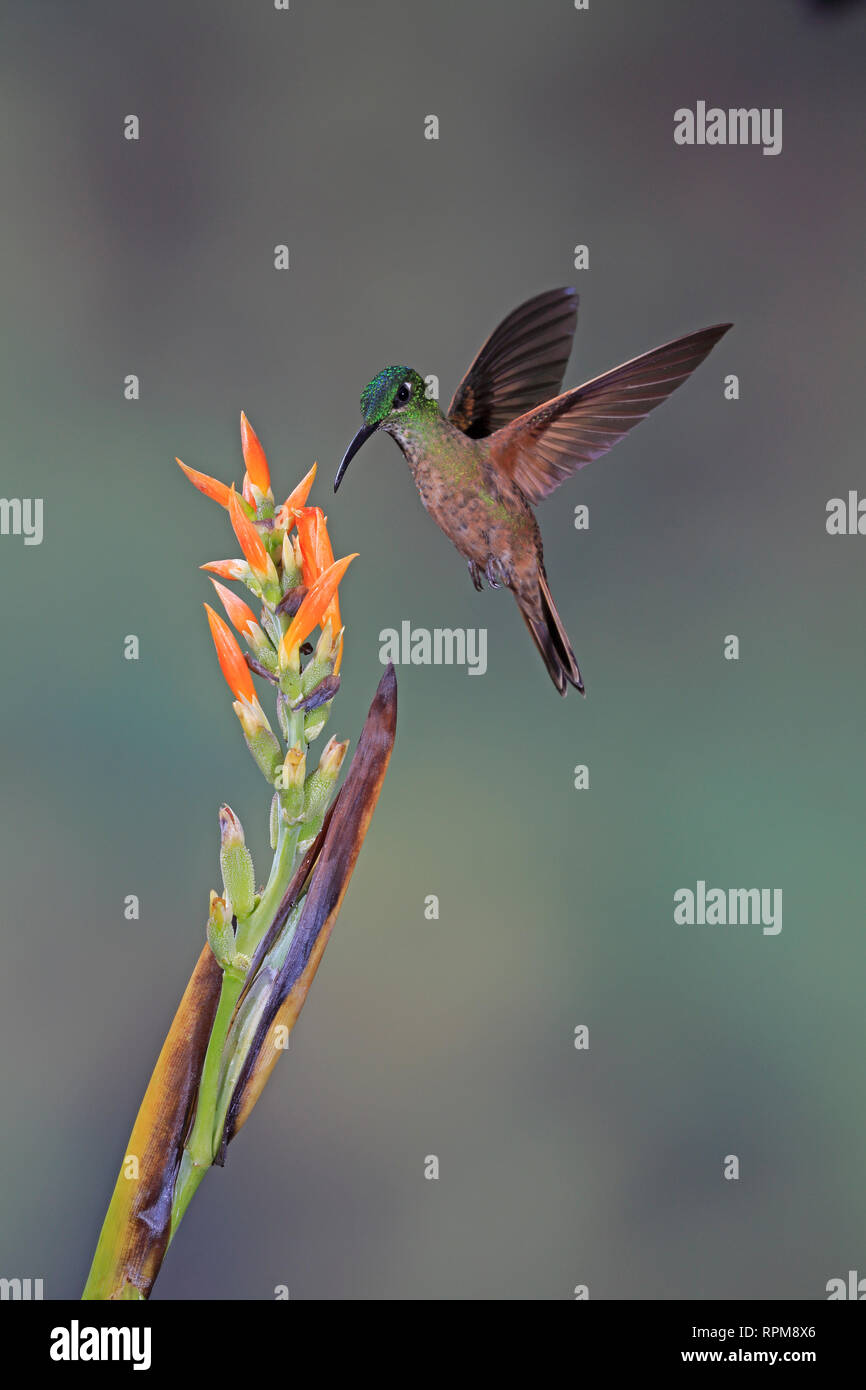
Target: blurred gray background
x: 453, y: 1037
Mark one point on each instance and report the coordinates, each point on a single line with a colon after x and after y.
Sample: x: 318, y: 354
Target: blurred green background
x: 452, y: 1037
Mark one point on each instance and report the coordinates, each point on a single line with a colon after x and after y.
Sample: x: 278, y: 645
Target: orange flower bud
x: 240, y: 613
x: 307, y: 519
x: 228, y: 569
x: 284, y: 516
x: 211, y: 487
x: 254, y: 456
x: 324, y: 552
x: 324, y: 559
x: 231, y: 658
x: 312, y: 610
x: 332, y: 615
x: 251, y: 542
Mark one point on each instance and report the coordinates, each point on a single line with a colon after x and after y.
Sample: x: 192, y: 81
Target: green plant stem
x: 253, y: 929
x: 203, y: 1142
x: 188, y: 1178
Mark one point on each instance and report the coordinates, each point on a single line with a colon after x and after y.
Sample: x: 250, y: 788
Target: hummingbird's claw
x: 475, y: 574
x: 491, y: 572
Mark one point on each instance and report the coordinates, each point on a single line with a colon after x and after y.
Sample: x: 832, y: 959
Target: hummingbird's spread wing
x: 521, y: 364
x: 542, y: 448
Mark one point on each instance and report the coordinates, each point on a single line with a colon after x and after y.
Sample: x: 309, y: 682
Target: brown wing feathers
x: 543, y: 447
x: 521, y: 364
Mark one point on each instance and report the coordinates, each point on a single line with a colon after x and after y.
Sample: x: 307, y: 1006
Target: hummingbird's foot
x: 475, y: 574
x: 493, y: 572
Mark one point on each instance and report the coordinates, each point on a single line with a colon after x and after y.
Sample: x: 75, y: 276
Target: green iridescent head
x: 391, y: 392
x: 393, y: 401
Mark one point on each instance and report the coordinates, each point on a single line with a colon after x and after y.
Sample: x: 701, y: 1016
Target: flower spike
x: 262, y: 947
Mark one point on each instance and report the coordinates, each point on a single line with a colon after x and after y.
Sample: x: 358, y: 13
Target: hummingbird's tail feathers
x: 550, y: 637
x: 521, y: 364
x: 545, y: 446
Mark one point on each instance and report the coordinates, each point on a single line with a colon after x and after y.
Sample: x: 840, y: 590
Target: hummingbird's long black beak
x: 363, y: 433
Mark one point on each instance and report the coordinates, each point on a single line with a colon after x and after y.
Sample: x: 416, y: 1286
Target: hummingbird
x: 508, y: 440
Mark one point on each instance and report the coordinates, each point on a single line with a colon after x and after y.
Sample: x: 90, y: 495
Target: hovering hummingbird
x: 507, y: 440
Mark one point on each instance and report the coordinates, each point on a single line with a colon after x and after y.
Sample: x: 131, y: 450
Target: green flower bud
x: 320, y: 785
x: 321, y: 663
x: 284, y: 713
x: 259, y: 737
x: 236, y: 864
x: 290, y: 784
x: 220, y: 935
x: 290, y: 675
x: 291, y: 577
x: 315, y: 721
x: 262, y: 648
x: 309, y: 831
x: 238, y: 966
x: 272, y: 626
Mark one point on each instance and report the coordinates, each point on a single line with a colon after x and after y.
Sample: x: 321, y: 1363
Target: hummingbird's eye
x: 403, y: 394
